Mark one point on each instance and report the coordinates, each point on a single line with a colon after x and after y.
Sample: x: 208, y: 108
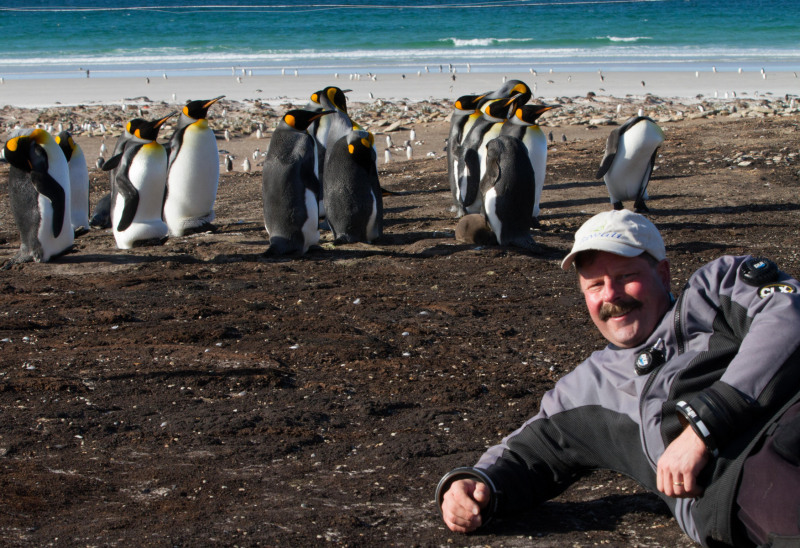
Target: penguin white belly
x: 536, y: 143
x: 490, y: 207
x: 310, y: 226
x: 631, y: 167
x: 79, y: 189
x: 193, y: 181
x: 58, y: 170
x: 148, y: 174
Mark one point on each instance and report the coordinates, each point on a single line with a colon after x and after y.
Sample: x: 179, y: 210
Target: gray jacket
x: 730, y: 351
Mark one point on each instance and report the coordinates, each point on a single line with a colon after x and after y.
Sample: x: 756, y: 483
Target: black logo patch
x: 769, y: 289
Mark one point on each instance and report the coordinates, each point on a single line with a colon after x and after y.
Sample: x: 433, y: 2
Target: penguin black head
x: 300, y: 119
x: 66, y: 144
x: 146, y: 129
x: 331, y: 96
x: 359, y: 145
x: 199, y: 109
x: 502, y: 108
x: 26, y: 152
x: 528, y: 114
x: 510, y: 89
x: 469, y: 102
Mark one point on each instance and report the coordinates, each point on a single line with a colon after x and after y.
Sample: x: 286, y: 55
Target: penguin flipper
x: 112, y: 162
x: 130, y: 199
x: 50, y: 189
x: 646, y: 178
x: 612, y: 144
x: 492, y: 175
x: 472, y: 168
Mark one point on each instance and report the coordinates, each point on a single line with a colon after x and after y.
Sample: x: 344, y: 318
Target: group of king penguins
x: 320, y: 171
x: 156, y: 190
x: 497, y: 159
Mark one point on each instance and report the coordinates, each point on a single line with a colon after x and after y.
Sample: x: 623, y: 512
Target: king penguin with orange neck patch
x: 192, y: 172
x: 290, y: 187
x: 39, y: 195
x: 138, y: 184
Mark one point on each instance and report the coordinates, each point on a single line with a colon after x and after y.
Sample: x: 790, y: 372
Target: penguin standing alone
x: 39, y: 193
x: 629, y: 159
x: 507, y: 193
x: 354, y: 196
x: 289, y: 187
x: 192, y: 171
x: 138, y: 184
x: 78, y: 182
x: 522, y: 125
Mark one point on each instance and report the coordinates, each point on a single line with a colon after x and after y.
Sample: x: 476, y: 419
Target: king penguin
x: 354, y: 196
x: 78, y: 182
x: 289, y: 187
x: 39, y: 194
x: 328, y: 129
x: 507, y: 193
x: 471, y: 161
x: 192, y: 171
x: 522, y: 125
x: 138, y: 183
x: 461, y: 121
x: 629, y: 159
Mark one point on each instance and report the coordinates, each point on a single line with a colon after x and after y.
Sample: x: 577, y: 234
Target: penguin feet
x: 640, y: 207
x: 81, y: 230
x: 535, y: 222
x: 149, y: 242
x: 618, y: 206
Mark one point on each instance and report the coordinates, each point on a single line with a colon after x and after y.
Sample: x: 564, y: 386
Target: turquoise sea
x: 48, y: 38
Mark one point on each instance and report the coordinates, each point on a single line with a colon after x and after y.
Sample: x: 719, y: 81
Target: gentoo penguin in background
x: 39, y: 194
x: 507, y: 192
x: 628, y: 162
x: 353, y: 192
x: 138, y: 184
x: 290, y: 188
x: 522, y: 125
x: 328, y: 129
x: 78, y: 182
x: 192, y: 171
x: 460, y: 123
x: 472, y: 152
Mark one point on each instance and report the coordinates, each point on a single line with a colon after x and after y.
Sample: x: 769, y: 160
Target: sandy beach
x: 687, y: 86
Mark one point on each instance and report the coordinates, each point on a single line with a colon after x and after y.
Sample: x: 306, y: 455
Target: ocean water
x: 50, y: 38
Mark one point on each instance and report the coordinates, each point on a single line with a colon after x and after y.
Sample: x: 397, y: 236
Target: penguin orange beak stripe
x: 212, y: 101
x: 165, y: 118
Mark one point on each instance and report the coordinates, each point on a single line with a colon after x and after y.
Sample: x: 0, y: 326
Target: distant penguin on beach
x: 138, y: 183
x: 523, y: 125
x: 628, y: 162
x: 39, y: 195
x: 192, y: 171
x: 508, y: 195
x: 289, y: 187
x: 78, y: 182
x: 353, y: 192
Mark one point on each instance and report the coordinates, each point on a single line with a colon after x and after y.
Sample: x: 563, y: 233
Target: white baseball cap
x: 621, y: 232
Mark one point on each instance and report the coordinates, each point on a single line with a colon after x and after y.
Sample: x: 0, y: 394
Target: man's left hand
x: 680, y: 465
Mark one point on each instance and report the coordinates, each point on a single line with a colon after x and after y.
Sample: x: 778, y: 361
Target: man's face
x: 626, y: 297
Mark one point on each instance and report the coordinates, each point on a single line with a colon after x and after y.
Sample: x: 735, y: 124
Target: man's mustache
x: 609, y: 310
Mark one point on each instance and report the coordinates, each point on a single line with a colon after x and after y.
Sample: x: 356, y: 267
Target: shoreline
x: 688, y: 86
